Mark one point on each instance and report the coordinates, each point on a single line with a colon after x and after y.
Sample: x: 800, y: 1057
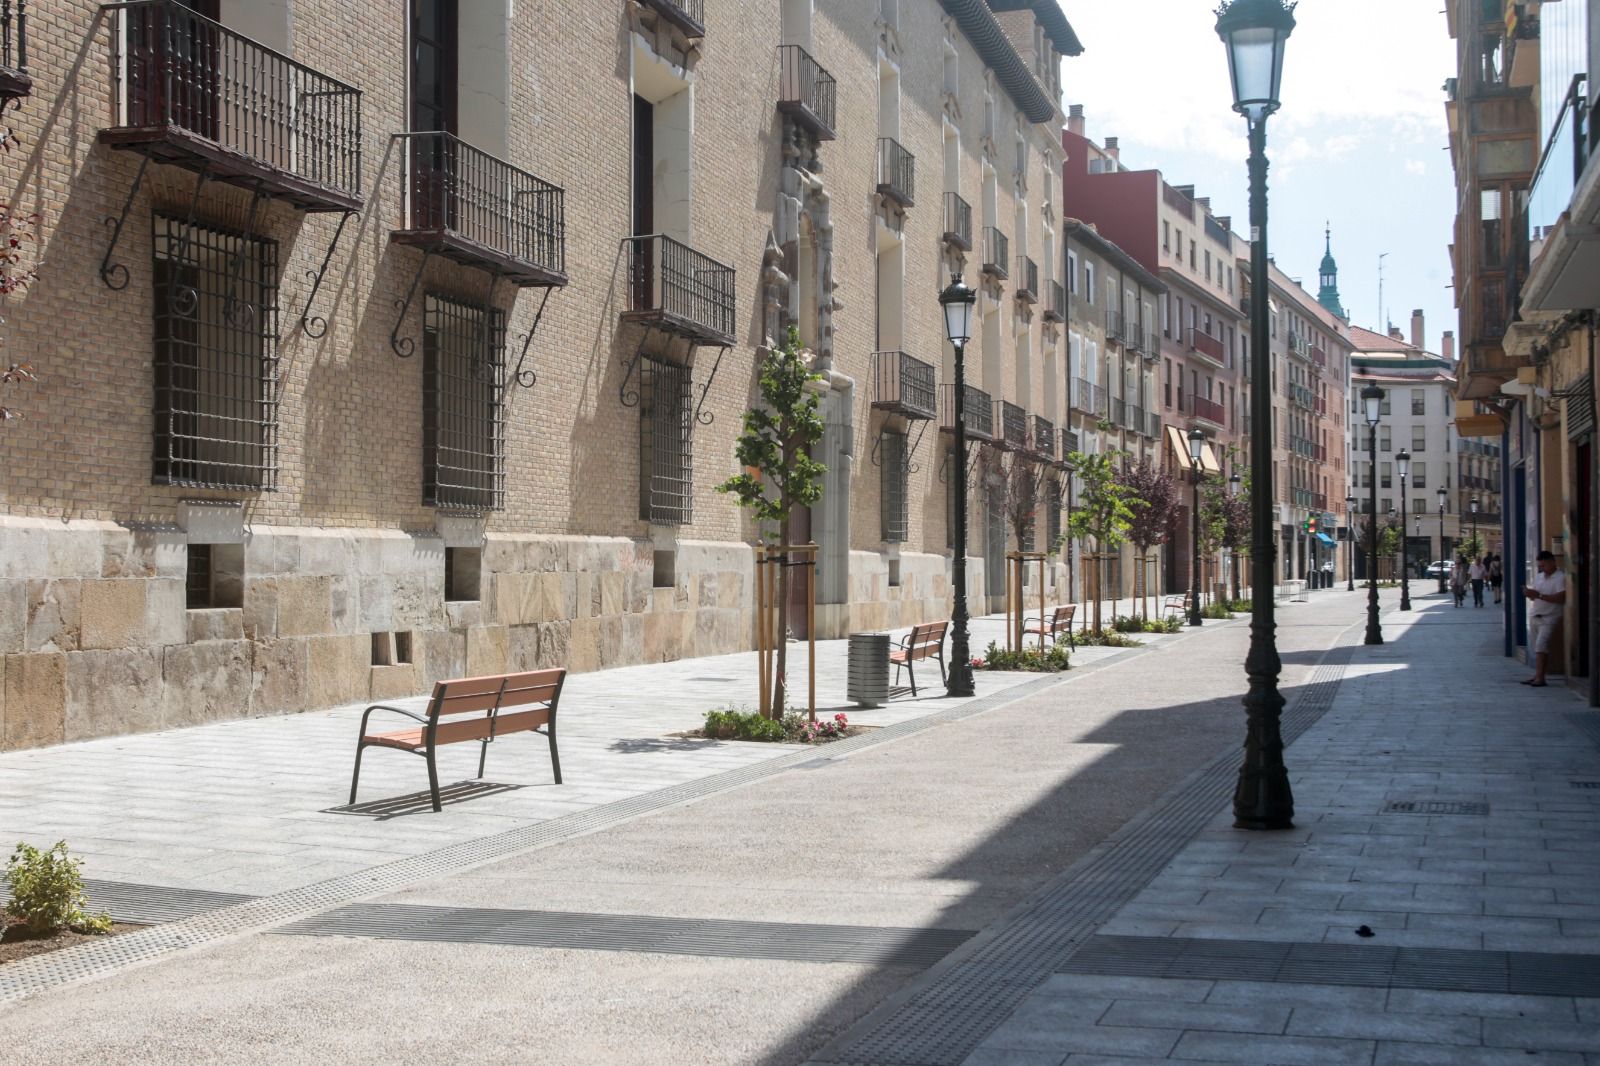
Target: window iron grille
x: 1056, y: 308
x: 905, y: 384
x: 666, y: 439
x: 895, y: 470
x: 1044, y: 438
x: 216, y: 367
x: 463, y: 405
x: 1053, y: 503
x: 806, y: 91
x: 1027, y: 275
x: 996, y: 253
x: 897, y: 172
x: 957, y: 222
x: 14, y: 80
x: 1013, y: 425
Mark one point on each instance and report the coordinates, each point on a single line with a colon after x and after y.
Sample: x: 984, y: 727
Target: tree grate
x: 1357, y: 965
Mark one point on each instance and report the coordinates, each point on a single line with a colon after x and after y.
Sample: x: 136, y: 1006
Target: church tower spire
x: 1328, y: 296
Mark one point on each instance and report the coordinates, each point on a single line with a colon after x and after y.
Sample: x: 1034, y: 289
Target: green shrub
x: 1240, y: 606
x: 1052, y: 660
x: 1107, y: 638
x: 1163, y: 625
x: 800, y: 729
x: 1215, y: 610
x: 47, y: 892
x: 731, y: 723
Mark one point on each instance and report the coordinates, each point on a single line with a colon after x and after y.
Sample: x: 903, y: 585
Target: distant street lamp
x: 1233, y: 552
x: 1256, y: 33
x: 957, y: 300
x: 1372, y: 398
x: 1350, y: 537
x: 1444, y: 494
x: 1402, y: 462
x: 1476, y: 547
x: 1197, y: 448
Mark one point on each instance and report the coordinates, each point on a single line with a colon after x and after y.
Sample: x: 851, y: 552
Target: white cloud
x: 1416, y: 167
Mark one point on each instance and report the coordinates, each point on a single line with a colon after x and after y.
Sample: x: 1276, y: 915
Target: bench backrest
x: 927, y: 637
x: 1063, y: 615
x: 508, y: 703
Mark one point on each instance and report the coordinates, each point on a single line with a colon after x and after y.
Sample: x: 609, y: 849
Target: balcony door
x: 174, y: 66
x: 435, y: 68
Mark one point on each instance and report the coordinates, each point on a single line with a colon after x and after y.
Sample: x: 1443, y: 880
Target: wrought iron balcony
x: 1320, y: 405
x: 1055, y: 309
x: 677, y: 289
x: 1319, y: 358
x: 1133, y: 338
x: 897, y: 172
x: 1208, y: 411
x: 1027, y: 288
x: 466, y: 205
x: 1138, y: 419
x: 1082, y: 396
x: 1113, y: 324
x: 1207, y: 346
x: 1069, y: 443
x: 1013, y: 422
x: 688, y: 15
x: 1043, y: 443
x: 1298, y: 345
x: 191, y: 92
x: 996, y: 253
x: 1153, y: 426
x: 904, y: 385
x: 14, y: 80
x: 977, y: 412
x: 1102, y: 402
x: 806, y: 92
x: 1300, y: 396
x: 1320, y: 453
x: 957, y: 222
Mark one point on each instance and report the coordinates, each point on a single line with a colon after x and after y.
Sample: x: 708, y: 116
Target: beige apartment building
x: 384, y: 343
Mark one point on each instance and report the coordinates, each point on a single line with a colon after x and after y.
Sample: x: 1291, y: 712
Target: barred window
x: 1052, y: 510
x: 666, y: 458
x: 216, y: 358
x: 463, y: 405
x: 895, y: 467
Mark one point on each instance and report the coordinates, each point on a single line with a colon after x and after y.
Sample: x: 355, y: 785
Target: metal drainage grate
x: 865, y: 945
x: 151, y: 904
x: 1358, y: 965
x: 1584, y: 784
x: 940, y: 1021
x: 1435, y: 807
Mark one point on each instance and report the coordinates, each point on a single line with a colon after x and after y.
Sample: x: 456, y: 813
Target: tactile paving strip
x: 152, y: 904
x: 943, y: 1019
x: 1360, y: 965
x: 98, y: 958
x: 866, y: 945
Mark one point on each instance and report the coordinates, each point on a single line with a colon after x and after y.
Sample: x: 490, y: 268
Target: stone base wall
x: 96, y: 640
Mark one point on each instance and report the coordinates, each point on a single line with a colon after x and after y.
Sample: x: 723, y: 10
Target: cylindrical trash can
x: 869, y: 669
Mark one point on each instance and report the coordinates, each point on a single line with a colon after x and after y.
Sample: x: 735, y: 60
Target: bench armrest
x: 413, y: 715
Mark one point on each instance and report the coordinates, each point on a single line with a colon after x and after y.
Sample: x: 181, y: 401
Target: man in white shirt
x: 1547, y: 597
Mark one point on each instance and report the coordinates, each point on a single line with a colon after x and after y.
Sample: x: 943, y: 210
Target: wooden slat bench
x: 497, y: 704
x: 923, y: 642
x: 1059, y: 622
x: 1175, y: 603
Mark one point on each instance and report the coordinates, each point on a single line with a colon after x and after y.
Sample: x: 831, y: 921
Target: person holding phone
x: 1547, y: 597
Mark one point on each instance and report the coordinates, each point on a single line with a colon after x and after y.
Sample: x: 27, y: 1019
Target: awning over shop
x: 1209, y: 459
x: 1329, y: 541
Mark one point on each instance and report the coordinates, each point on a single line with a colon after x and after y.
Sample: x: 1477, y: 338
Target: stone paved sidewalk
x: 259, y: 806
x: 1444, y: 866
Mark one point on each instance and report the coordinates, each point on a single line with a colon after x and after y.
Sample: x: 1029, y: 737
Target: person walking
x: 1458, y: 580
x: 1497, y: 576
x: 1547, y: 597
x: 1478, y: 574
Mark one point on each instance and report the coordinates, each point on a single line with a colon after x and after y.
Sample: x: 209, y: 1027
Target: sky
x: 1360, y: 142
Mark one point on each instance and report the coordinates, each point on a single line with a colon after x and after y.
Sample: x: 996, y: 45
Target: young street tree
x: 779, y: 474
x: 1104, y: 511
x: 1153, y: 496
x: 1224, y: 521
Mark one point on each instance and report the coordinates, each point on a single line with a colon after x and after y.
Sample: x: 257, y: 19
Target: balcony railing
x: 1299, y: 395
x: 904, y: 385
x: 1209, y: 411
x: 806, y: 92
x: 191, y: 92
x: 14, y: 80
x: 1153, y: 428
x: 1320, y: 405
x: 1043, y: 443
x: 688, y: 15
x: 1133, y: 338
x: 677, y: 289
x: 897, y: 172
x: 1055, y: 309
x: 1138, y: 419
x: 1298, y: 345
x: 1208, y: 346
x: 1027, y: 276
x: 977, y: 411
x: 1320, y: 454
x: 1319, y: 358
x: 1069, y: 443
x: 1566, y: 152
x: 1113, y: 325
x: 996, y: 253
x: 479, y: 210
x: 1102, y: 402
x: 1013, y: 424
x: 957, y: 222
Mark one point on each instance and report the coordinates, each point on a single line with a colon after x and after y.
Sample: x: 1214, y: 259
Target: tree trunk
x: 780, y: 687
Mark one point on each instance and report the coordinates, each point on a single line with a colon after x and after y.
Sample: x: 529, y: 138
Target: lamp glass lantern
x: 1255, y: 32
x: 1474, y: 505
x: 1233, y: 484
x: 1402, y: 464
x: 957, y: 300
x: 1444, y: 495
x: 1372, y: 398
x: 1197, y: 447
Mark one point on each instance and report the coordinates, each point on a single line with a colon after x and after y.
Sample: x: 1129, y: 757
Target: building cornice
x: 979, y: 26
x: 1052, y: 18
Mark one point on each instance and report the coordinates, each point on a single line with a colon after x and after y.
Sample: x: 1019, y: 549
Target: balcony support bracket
x: 911, y: 466
x: 242, y: 314
x: 630, y: 397
x: 405, y: 347
x: 480, y: 369
x: 703, y: 417
x: 315, y: 326
x: 115, y: 275
x: 186, y: 298
x: 528, y: 378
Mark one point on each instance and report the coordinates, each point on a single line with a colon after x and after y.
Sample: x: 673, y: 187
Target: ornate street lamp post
x: 1372, y: 397
x: 1197, y: 448
x: 1444, y: 494
x: 1350, y: 550
x: 1476, y: 547
x: 957, y: 300
x: 1256, y: 32
x: 1233, y: 552
x: 1402, y: 463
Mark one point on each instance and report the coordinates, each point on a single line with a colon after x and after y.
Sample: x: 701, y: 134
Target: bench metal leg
x: 356, y: 777
x: 911, y: 672
x: 943, y: 677
x: 555, y: 756
x: 433, y: 782
x: 483, y: 754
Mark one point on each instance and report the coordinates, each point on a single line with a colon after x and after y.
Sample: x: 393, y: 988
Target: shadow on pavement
x: 421, y: 802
